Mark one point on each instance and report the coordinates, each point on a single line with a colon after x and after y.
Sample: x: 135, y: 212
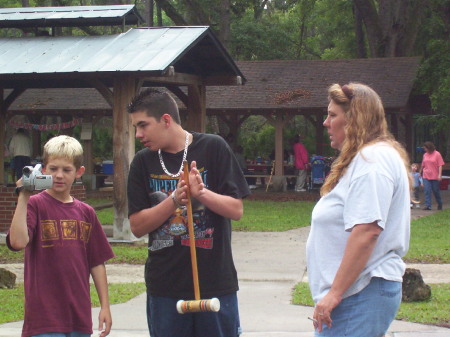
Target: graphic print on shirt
x: 175, y: 230
x: 69, y: 229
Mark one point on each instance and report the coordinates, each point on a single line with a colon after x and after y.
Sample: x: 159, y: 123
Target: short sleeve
x: 368, y: 200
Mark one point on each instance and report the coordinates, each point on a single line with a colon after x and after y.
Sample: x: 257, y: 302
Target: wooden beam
x: 223, y: 80
x: 12, y: 97
x: 103, y: 90
x: 173, y: 78
x: 179, y: 93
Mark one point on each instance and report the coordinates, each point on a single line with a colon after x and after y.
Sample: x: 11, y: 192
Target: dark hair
x: 429, y: 146
x: 155, y: 103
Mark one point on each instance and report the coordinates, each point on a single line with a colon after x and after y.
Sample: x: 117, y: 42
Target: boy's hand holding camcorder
x: 33, y: 179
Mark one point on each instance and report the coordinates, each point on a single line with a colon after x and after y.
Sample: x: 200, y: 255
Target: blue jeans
x: 432, y: 186
x: 61, y: 334
x: 164, y: 320
x: 368, y: 313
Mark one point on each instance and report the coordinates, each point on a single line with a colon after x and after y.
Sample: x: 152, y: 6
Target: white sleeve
x: 368, y: 200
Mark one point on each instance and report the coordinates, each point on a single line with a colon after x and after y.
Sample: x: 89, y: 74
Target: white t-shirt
x: 374, y: 188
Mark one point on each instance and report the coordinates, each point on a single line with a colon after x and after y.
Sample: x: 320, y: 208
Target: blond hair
x: 366, y: 124
x: 63, y: 147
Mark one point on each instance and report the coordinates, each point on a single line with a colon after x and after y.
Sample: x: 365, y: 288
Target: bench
x: 268, y: 176
x: 100, y: 179
x: 263, y: 177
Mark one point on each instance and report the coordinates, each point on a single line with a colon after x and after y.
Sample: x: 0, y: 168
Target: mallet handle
x: 191, y: 233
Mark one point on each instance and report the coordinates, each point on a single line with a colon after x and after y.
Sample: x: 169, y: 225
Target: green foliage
x: 264, y: 39
x: 430, y: 236
x: 435, y: 311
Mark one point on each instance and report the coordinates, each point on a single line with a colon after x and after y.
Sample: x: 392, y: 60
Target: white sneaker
x: 417, y: 205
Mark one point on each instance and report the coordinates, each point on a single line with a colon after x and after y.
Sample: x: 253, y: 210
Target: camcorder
x: 33, y: 179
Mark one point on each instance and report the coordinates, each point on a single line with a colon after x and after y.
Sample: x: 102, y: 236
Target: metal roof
x: 192, y: 50
x: 68, y: 16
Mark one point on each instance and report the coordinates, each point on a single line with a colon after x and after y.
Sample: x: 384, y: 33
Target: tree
x: 391, y: 25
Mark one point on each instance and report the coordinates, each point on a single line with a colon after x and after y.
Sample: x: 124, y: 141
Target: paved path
x: 269, y: 265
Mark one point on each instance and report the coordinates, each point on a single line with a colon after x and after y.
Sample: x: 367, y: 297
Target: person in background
x: 360, y: 227
x: 20, y: 150
x: 64, y: 245
x: 417, y: 184
x: 301, y: 161
x: 431, y: 172
x: 217, y: 186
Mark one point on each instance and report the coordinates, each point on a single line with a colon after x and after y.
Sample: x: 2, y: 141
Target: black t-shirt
x: 168, y: 271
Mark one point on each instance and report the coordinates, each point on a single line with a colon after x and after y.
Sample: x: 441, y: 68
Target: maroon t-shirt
x: 66, y: 241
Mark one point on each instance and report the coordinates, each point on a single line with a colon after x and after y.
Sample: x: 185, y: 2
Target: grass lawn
x: 12, y: 300
x: 430, y: 237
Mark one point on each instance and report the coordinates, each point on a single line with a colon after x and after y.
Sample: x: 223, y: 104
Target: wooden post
x: 124, y: 91
x: 196, y: 109
x: 319, y: 135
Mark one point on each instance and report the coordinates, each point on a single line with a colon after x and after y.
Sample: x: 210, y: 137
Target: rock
x: 7, y: 279
x: 414, y: 288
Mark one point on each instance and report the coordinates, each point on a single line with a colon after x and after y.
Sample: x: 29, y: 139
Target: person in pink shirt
x: 431, y: 173
x: 300, y: 161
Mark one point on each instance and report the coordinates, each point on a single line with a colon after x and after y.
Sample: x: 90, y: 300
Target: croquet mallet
x: 196, y: 305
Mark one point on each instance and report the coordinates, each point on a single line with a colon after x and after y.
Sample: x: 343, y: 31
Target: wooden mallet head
x: 212, y: 305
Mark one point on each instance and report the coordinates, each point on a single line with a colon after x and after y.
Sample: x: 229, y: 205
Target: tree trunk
x: 359, y: 33
x: 149, y: 6
x: 224, y: 34
x: 171, y: 12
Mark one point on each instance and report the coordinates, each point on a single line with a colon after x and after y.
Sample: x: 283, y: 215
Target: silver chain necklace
x: 184, y: 158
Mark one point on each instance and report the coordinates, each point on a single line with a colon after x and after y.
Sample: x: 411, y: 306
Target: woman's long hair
x: 366, y: 124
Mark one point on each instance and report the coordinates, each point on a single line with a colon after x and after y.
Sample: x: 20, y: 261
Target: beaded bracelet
x: 175, y: 201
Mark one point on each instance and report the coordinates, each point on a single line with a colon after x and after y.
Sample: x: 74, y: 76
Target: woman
x: 431, y: 172
x: 360, y: 226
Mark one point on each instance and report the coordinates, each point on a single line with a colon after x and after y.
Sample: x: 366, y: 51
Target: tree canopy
x: 311, y: 29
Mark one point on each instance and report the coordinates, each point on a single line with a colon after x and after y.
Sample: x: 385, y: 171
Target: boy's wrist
x: 18, y: 189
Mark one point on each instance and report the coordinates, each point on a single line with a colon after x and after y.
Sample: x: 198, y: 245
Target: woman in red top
x: 431, y: 172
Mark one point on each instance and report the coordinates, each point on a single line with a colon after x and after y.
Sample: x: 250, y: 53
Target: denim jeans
x: 164, y: 320
x: 432, y: 186
x: 368, y: 313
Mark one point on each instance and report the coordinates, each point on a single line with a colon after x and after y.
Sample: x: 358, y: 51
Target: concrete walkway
x: 269, y: 265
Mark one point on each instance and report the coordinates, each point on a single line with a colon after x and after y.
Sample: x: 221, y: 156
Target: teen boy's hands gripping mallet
x: 197, y: 305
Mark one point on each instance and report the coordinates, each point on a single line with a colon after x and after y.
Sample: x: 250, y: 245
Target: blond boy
x: 64, y: 243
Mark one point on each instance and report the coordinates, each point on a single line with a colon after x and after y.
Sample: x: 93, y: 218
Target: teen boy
x: 217, y: 187
x: 64, y: 243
